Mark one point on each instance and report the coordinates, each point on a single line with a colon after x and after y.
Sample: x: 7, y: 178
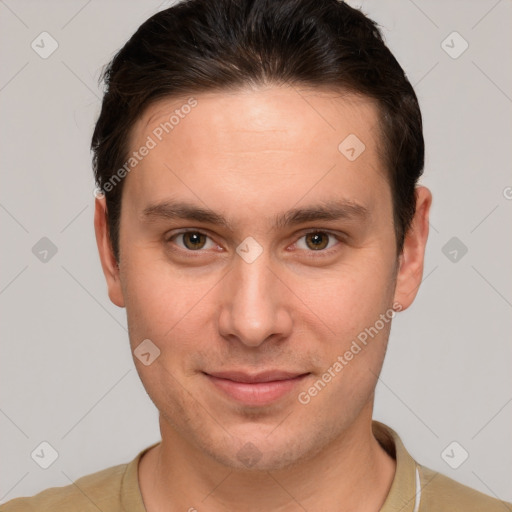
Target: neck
x: 352, y: 474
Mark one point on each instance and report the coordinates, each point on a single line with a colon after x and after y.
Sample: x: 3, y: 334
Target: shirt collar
x: 402, y: 494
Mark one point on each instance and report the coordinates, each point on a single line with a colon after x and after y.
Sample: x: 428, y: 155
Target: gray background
x: 67, y: 373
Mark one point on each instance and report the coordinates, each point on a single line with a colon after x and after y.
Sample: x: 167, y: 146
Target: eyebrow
x: 327, y: 210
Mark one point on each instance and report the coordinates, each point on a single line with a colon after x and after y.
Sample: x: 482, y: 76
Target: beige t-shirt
x: 415, y: 488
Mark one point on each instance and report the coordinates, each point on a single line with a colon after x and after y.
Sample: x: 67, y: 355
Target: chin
x: 259, y: 454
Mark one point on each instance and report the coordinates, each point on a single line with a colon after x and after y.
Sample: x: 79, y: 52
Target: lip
x: 257, y: 389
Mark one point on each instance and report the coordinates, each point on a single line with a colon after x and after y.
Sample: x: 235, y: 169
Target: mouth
x: 256, y: 389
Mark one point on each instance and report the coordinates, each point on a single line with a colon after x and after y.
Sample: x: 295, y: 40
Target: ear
x: 108, y: 261
x: 410, y: 271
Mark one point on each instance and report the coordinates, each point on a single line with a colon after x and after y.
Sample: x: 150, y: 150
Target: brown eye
x: 317, y: 241
x: 194, y: 240
x: 186, y: 242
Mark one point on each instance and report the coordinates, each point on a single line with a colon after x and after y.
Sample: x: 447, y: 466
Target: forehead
x: 255, y: 112
x: 271, y: 143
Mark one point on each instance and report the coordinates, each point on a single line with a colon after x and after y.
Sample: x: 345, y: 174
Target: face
x: 258, y: 256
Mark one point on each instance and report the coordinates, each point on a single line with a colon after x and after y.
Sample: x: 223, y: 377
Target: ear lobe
x: 411, y: 260
x: 108, y: 262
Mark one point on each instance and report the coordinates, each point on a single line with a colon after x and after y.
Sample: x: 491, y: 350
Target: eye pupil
x: 197, y: 240
x: 319, y: 240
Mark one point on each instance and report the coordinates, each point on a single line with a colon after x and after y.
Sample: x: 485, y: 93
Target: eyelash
x: 314, y: 254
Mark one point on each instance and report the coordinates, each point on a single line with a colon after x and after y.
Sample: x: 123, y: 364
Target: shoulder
x: 424, y: 489
x: 441, y: 493
x: 93, y: 492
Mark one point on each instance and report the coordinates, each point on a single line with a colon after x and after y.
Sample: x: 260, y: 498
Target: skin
x: 249, y: 155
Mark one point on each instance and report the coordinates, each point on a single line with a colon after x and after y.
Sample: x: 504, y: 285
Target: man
x: 259, y: 217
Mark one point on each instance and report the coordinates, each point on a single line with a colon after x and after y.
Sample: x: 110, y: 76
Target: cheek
x: 358, y: 309
x: 153, y: 291
x: 352, y: 297
x: 170, y: 307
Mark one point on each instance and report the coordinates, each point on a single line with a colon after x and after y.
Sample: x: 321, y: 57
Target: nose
x: 255, y: 303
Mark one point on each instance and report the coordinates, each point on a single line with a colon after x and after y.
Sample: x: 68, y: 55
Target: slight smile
x: 257, y: 389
